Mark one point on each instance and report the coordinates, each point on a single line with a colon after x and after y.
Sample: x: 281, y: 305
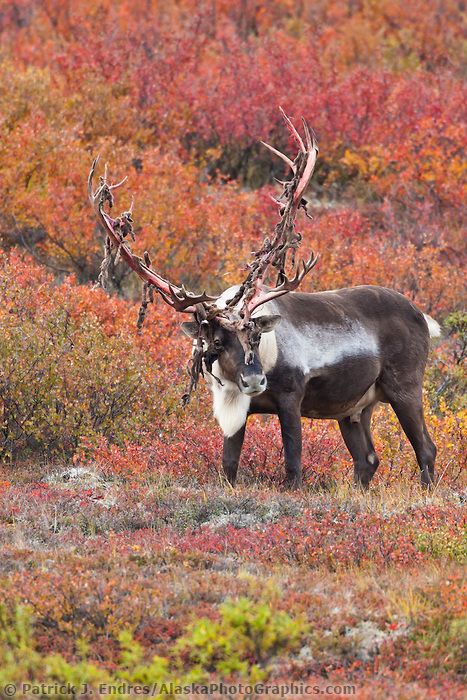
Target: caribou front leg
x: 291, y: 429
x: 231, y: 454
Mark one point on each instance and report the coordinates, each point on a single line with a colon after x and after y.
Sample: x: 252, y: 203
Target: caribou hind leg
x: 401, y: 383
x: 357, y: 437
x: 410, y: 414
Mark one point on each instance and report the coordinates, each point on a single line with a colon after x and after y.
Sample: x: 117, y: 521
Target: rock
x: 367, y: 639
x: 77, y: 476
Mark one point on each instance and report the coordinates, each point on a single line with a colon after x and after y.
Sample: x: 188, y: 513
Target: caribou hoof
x: 292, y: 483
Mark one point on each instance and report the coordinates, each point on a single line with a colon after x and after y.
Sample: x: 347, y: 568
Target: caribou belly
x: 344, y: 389
x: 338, y: 411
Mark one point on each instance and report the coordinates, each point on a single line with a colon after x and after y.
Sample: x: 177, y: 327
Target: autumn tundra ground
x: 126, y: 560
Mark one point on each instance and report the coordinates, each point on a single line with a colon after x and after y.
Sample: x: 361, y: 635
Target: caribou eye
x: 218, y: 343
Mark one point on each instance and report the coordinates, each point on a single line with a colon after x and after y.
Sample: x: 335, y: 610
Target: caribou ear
x: 190, y: 328
x: 266, y: 324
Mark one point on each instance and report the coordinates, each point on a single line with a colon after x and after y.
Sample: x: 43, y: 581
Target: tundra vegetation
x: 124, y: 554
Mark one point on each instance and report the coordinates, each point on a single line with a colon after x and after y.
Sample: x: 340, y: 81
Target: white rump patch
x: 433, y: 326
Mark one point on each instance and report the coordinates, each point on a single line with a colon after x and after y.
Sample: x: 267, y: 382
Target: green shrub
x: 70, y: 368
x: 58, y: 384
x: 442, y: 543
x: 247, y: 636
x: 241, y: 644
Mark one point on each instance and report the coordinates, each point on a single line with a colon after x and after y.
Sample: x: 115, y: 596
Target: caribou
x: 269, y: 349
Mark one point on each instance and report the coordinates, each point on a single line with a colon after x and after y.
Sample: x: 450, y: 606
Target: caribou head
x: 224, y: 354
x: 227, y: 331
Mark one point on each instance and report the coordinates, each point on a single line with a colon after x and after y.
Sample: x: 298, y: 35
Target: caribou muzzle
x: 253, y: 384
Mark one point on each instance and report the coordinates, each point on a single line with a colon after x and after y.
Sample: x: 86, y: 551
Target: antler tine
x: 288, y: 285
x: 310, y: 136
x: 310, y: 162
x: 291, y: 284
x: 182, y: 299
x: 91, y: 193
x: 118, y: 184
x: 281, y: 155
x: 308, y: 265
x: 308, y: 139
x: 294, y: 131
x: 273, y: 254
x: 117, y: 229
x: 276, y: 201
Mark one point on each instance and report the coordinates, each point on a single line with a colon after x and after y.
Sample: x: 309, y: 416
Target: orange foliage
x: 193, y: 96
x: 177, y: 95
x: 141, y: 532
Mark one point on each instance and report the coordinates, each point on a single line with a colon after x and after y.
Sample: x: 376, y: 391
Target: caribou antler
x: 274, y: 253
x: 261, y: 296
x: 117, y: 230
x: 236, y: 315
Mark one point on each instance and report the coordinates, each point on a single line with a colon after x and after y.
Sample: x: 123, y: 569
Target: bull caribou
x: 273, y: 350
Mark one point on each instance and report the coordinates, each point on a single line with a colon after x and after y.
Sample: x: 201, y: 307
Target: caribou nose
x: 253, y: 383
